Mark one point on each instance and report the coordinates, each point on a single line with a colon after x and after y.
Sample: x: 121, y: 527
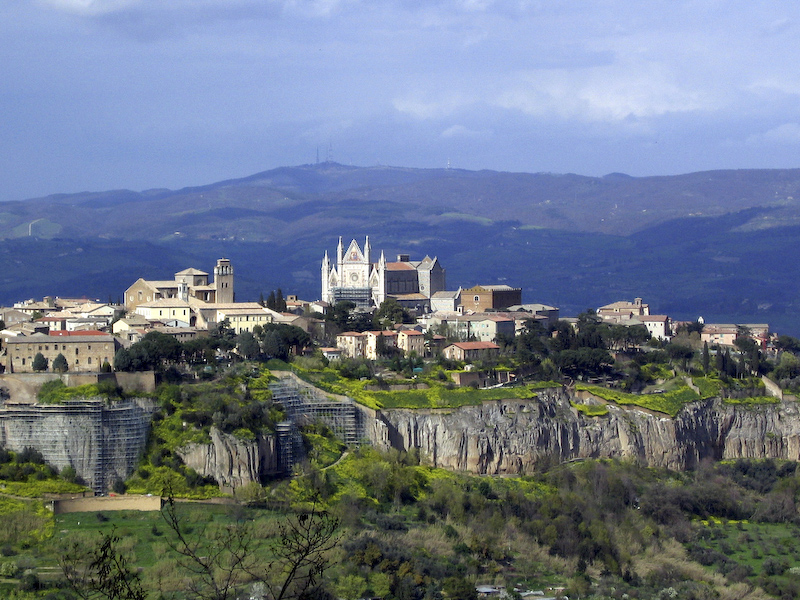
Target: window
x: 477, y: 298
x: 76, y: 352
x: 89, y: 360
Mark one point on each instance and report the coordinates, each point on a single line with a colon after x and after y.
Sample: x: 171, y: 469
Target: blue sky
x: 138, y: 94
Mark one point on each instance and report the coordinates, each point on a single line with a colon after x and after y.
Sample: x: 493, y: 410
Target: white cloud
x: 604, y: 94
x: 429, y: 109
x: 788, y: 133
x: 460, y: 131
x: 91, y: 7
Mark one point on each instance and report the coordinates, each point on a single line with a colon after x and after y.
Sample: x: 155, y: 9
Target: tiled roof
x: 476, y: 345
x: 191, y: 271
x: 399, y: 266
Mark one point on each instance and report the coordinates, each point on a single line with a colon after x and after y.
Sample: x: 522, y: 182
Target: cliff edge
x: 512, y: 436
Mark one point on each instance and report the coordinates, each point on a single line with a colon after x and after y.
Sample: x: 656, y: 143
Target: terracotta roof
x: 399, y: 266
x: 476, y: 345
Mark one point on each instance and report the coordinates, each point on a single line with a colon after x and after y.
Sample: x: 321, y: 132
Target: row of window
x: 46, y: 347
x: 77, y: 361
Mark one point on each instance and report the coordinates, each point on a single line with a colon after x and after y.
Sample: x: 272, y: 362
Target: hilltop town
x: 381, y: 400
x: 367, y: 309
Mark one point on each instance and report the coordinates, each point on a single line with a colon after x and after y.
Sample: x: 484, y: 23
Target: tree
x: 122, y: 360
x: 784, y: 342
x: 60, y: 364
x: 390, y: 313
x: 220, y: 559
x: 706, y: 358
x: 274, y: 346
x: 680, y: 353
x: 247, y: 345
x: 280, y: 302
x: 101, y: 572
x: 39, y: 362
x: 351, y: 587
x: 459, y: 588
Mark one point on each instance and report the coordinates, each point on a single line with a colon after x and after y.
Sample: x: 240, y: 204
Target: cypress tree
x: 60, y: 364
x: 39, y: 362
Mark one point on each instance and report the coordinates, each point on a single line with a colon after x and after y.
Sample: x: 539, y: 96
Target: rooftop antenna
x: 317, y: 153
x: 329, y: 157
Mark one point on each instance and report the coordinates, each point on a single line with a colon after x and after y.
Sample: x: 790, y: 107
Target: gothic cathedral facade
x: 353, y: 276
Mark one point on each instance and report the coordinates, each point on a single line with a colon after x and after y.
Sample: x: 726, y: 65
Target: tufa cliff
x: 512, y: 436
x: 231, y: 461
x: 101, y: 440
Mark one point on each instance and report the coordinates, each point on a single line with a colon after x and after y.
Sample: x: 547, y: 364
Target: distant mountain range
x: 721, y: 244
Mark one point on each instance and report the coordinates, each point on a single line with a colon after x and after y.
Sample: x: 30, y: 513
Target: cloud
x: 788, y: 133
x: 460, y: 131
x: 91, y: 7
x: 605, y: 94
x: 418, y: 108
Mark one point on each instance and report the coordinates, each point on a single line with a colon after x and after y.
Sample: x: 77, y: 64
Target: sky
x: 140, y: 94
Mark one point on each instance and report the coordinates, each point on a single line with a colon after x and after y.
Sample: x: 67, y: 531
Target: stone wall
x: 73, y: 505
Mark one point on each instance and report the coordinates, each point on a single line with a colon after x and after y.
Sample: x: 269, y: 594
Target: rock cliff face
x: 231, y: 461
x: 102, y: 441
x: 511, y: 436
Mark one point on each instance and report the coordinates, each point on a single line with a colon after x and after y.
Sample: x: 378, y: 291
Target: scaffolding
x: 305, y: 405
x: 101, y: 441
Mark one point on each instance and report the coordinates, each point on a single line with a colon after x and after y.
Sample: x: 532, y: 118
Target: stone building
x: 481, y: 298
x: 471, y: 351
x: 353, y: 276
x: 187, y: 284
x: 84, y: 353
x: 619, y: 312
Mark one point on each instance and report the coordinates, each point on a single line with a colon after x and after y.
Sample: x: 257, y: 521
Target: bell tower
x: 223, y: 282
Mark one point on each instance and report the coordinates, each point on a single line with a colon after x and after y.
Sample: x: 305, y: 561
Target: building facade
x: 84, y: 353
x: 353, y: 276
x: 481, y: 298
x: 189, y: 283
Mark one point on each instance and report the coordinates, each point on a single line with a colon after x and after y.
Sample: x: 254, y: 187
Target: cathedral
x: 353, y: 276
